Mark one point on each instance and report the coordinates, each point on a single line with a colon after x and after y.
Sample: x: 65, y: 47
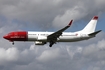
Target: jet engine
x: 39, y: 43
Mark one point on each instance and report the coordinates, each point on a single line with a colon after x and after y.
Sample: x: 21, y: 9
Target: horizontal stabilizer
x: 93, y: 34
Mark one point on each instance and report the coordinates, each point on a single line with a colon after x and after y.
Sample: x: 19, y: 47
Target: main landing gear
x: 51, y: 43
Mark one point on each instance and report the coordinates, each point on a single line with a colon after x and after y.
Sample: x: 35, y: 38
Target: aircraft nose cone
x: 5, y: 37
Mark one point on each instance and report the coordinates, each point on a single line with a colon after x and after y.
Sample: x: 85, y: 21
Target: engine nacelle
x: 39, y: 43
x: 42, y: 38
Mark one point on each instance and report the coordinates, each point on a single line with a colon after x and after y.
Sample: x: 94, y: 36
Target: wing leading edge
x: 52, y: 38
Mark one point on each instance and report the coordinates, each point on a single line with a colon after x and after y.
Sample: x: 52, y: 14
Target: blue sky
x: 101, y: 22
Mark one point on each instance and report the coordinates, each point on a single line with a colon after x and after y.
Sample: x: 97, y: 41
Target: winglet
x: 70, y: 23
x: 95, y: 17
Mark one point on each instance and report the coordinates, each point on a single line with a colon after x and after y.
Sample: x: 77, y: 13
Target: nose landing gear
x: 12, y: 43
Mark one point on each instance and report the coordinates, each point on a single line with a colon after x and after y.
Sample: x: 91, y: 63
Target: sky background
x: 51, y: 15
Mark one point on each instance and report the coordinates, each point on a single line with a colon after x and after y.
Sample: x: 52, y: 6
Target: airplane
x: 41, y: 38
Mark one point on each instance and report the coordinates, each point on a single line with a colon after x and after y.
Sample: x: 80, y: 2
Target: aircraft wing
x: 53, y: 37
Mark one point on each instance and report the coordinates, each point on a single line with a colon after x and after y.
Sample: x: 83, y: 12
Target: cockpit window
x: 9, y: 34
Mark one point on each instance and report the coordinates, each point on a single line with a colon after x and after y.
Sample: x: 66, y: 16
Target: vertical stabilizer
x: 90, y: 27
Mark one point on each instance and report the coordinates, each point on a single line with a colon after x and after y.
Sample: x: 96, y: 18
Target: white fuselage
x: 65, y: 37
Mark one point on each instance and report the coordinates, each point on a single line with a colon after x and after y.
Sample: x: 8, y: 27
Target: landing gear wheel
x: 50, y: 45
x: 12, y: 43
